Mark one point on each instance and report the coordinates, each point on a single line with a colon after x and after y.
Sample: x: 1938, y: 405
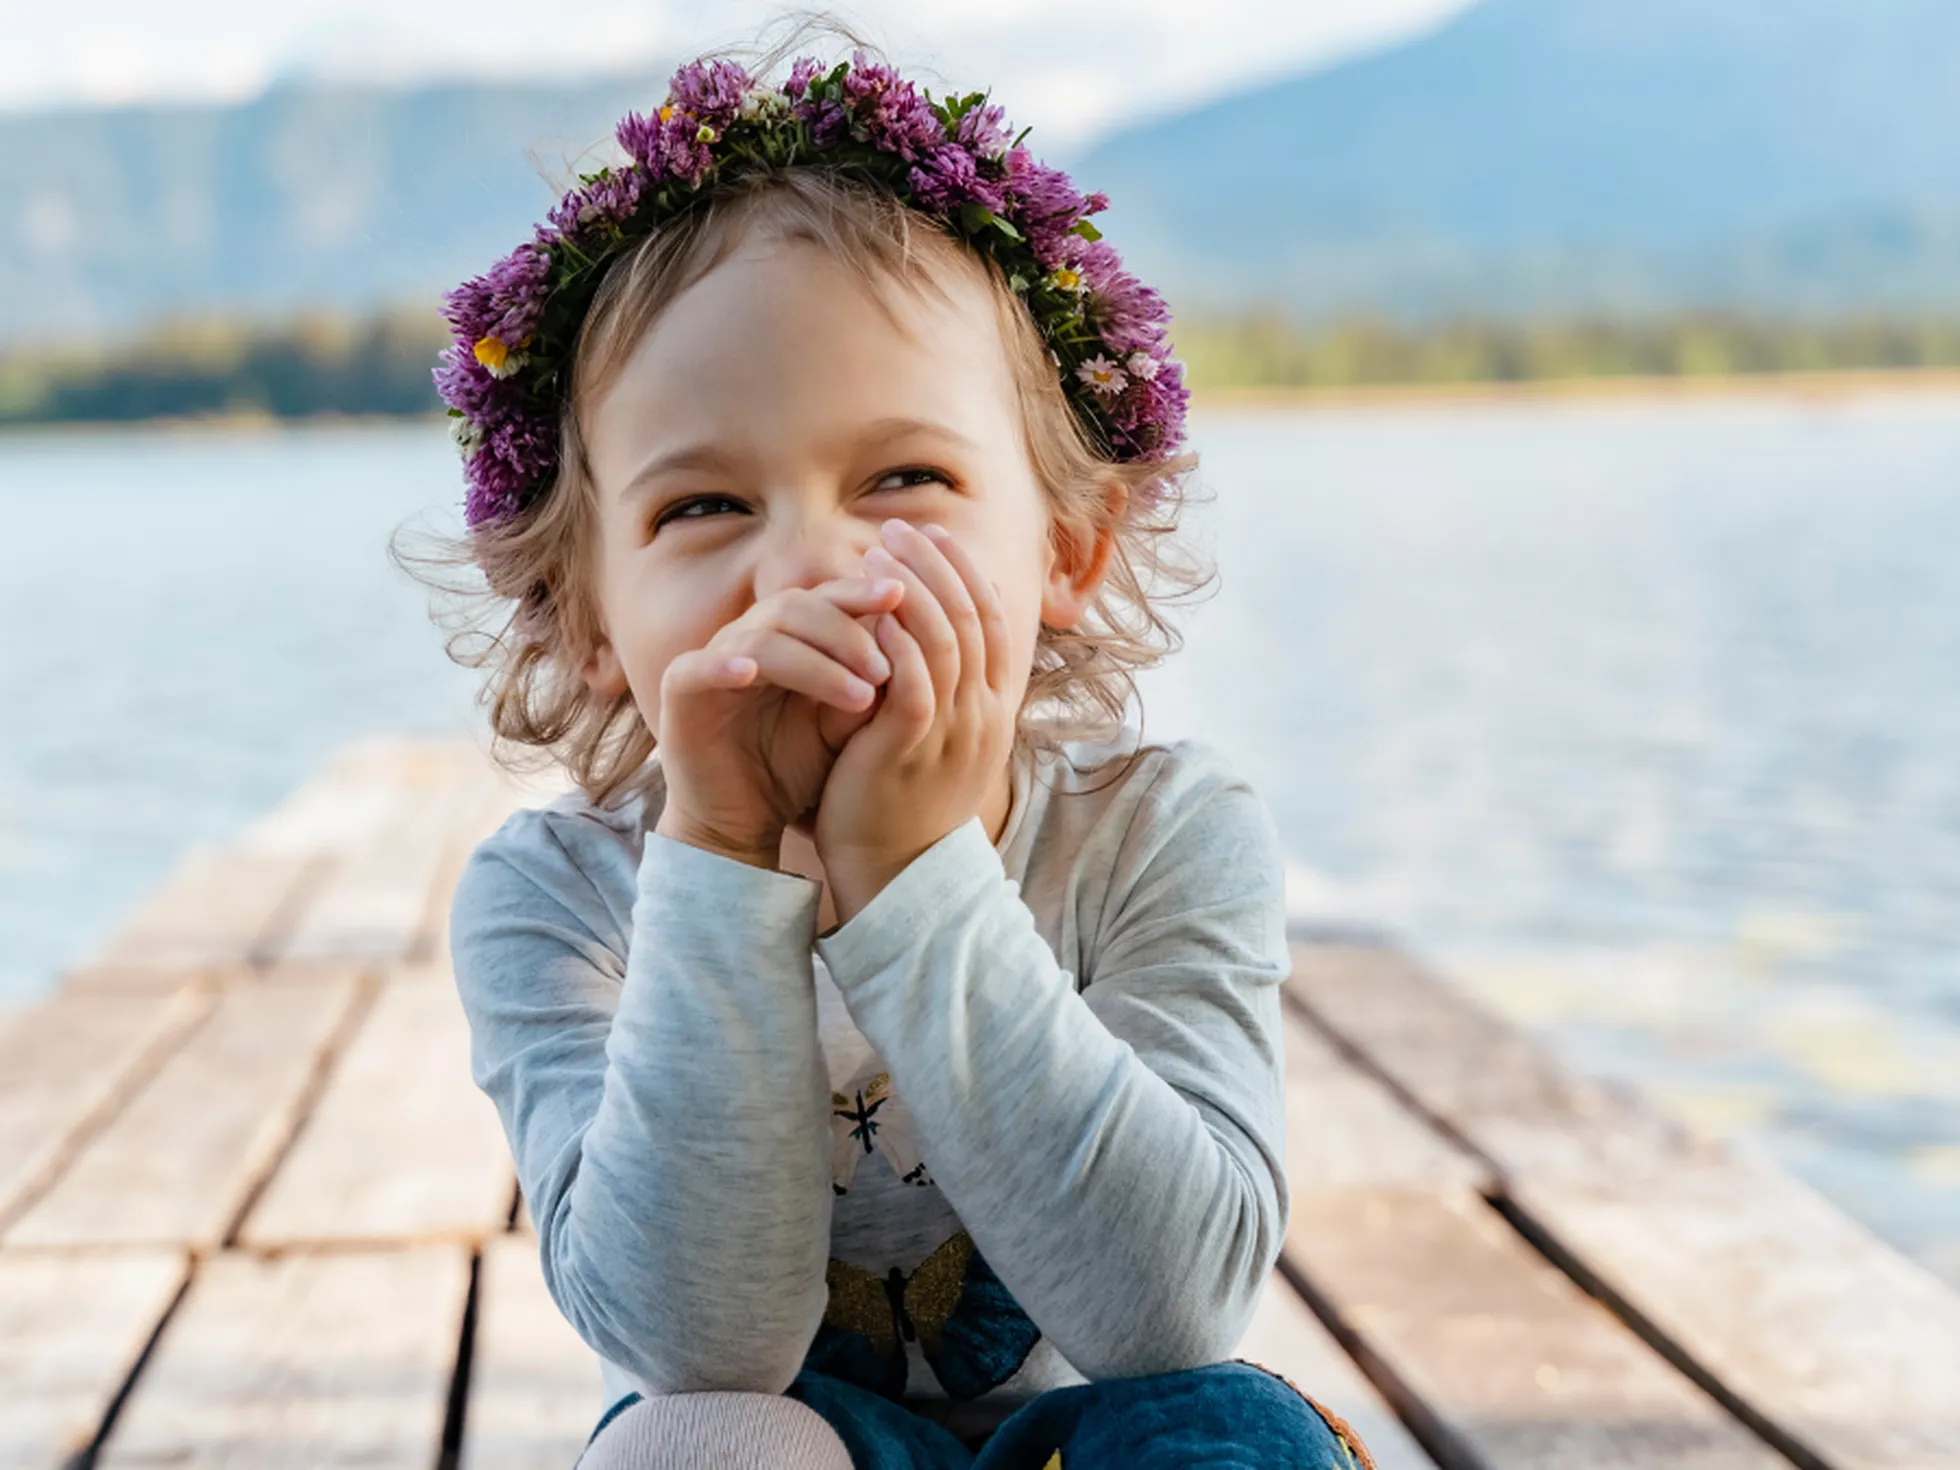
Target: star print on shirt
x: 871, y: 1116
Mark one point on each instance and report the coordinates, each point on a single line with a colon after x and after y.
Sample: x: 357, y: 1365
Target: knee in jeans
x: 716, y: 1431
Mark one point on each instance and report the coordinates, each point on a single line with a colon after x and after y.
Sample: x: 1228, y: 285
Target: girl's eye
x: 682, y: 509
x: 929, y: 475
x: 913, y: 475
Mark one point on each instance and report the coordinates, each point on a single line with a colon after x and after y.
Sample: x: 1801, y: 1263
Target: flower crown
x: 506, y: 373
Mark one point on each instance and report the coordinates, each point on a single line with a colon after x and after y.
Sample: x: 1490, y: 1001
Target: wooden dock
x: 253, y: 1212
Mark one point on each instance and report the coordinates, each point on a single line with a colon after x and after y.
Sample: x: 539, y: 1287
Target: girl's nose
x: 814, y: 555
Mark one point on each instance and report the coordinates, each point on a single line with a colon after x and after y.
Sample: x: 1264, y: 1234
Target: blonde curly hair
x: 536, y: 568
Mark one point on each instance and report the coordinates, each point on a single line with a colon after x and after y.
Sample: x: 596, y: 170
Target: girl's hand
x: 927, y: 759
x: 751, y: 722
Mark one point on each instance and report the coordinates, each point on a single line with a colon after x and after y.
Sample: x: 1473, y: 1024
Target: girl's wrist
x: 757, y: 852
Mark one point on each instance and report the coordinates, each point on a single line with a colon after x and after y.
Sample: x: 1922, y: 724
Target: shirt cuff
x: 949, y: 877
x: 680, y: 876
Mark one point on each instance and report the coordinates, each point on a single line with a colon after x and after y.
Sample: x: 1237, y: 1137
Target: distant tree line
x: 1268, y: 351
x: 325, y: 365
x: 294, y: 369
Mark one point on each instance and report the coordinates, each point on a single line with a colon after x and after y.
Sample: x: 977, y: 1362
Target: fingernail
x: 885, y: 586
x: 877, y: 556
x: 935, y: 530
x: 894, y: 530
x: 880, y: 665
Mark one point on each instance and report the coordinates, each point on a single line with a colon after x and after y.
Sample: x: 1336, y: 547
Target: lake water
x: 1642, y: 720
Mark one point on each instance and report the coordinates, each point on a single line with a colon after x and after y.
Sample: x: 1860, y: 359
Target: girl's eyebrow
x: 711, y: 457
x: 693, y: 457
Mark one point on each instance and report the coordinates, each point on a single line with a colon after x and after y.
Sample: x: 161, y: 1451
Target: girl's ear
x: 601, y: 670
x: 1078, y: 560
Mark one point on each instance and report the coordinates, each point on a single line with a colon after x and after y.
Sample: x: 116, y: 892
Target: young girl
x: 888, y: 1046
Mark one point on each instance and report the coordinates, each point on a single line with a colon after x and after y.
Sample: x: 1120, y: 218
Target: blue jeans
x: 1225, y: 1416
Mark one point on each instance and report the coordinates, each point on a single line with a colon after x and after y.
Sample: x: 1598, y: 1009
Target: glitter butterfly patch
x: 972, y: 1332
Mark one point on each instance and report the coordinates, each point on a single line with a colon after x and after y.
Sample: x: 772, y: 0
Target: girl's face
x: 772, y: 418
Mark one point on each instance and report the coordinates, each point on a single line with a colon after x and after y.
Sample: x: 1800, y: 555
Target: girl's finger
x: 989, y: 658
x: 921, y: 615
x: 786, y: 661
x: 926, y: 555
x: 910, y: 702
x: 832, y: 626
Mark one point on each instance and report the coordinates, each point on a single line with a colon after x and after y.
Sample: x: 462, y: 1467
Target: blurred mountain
x: 338, y: 198
x: 1560, y: 155
x: 1527, y: 157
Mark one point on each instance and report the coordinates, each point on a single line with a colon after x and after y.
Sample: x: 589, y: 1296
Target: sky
x: 1072, y: 68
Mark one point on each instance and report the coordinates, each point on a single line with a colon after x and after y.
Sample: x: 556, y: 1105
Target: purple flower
x: 684, y: 153
x: 640, y: 137
x: 1129, y: 315
x: 1147, y: 421
x: 605, y: 204
x: 947, y: 177
x: 712, y: 92
x: 667, y: 145
x: 505, y: 301
x: 1045, y: 205
x: 828, y: 122
x: 800, y: 75
x: 465, y: 383
x: 983, y: 131
x: 514, y: 457
x: 887, y: 111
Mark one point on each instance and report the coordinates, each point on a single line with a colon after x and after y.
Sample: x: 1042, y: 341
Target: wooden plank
x: 1344, y: 1128
x: 1482, y: 1078
x: 1285, y: 1337
x: 1494, y: 1353
x: 177, y: 1163
x: 356, y: 791
x: 1851, y: 1349
x: 535, y: 1388
x: 338, y: 1359
x: 375, y: 902
x: 1838, y: 1348
x: 218, y: 906
x: 71, y: 1330
x: 121, y: 982
x: 402, y: 1144
x: 66, y: 1066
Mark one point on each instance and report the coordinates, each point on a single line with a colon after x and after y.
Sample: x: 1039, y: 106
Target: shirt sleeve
x: 1116, y: 1153
x: 668, y: 1113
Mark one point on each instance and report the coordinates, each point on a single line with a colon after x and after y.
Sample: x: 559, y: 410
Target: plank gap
x: 1303, y: 1009
x: 366, y: 987
x: 263, y: 956
x: 1436, y: 1439
x: 1535, y: 1234
x: 85, y: 1458
x: 179, y: 1017
x: 459, y: 1381
x: 1541, y: 1239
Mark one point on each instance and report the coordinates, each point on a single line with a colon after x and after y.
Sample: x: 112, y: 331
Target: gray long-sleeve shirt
x: 1018, y: 1123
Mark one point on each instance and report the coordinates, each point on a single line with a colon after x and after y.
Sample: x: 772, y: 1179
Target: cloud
x: 1071, y: 70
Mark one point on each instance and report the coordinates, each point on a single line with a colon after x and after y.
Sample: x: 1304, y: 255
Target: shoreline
x: 1821, y: 387
x: 1812, y: 389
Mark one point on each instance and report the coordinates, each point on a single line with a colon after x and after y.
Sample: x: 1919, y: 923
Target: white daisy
x: 468, y: 437
x: 1102, y: 375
